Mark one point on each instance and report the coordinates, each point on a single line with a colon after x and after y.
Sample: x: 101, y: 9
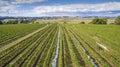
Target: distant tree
x: 21, y: 21
x: 37, y: 22
x: 11, y: 22
x: 94, y: 21
x: 82, y: 22
x: 117, y: 20
x: 32, y: 20
x: 111, y: 23
x: 99, y: 21
x: 1, y: 22
x: 103, y: 20
x: 24, y: 21
x: 64, y: 22
x: 14, y: 22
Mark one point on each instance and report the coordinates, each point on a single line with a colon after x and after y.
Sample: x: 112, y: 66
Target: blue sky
x: 38, y: 8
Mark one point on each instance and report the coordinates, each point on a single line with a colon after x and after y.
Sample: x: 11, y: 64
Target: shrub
x: 65, y: 22
x: 82, y: 22
x: 112, y: 23
x: 1, y: 22
x: 99, y: 21
x: 117, y: 20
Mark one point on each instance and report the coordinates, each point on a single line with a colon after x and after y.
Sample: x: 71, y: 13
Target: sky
x: 39, y: 8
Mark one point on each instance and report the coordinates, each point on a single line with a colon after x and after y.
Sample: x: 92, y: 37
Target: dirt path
x: 20, y: 39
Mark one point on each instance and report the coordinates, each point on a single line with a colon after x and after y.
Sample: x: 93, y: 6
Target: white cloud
x: 13, y: 2
x: 26, y: 1
x: 10, y: 6
x: 3, y: 2
x: 78, y: 8
x: 11, y: 9
x: 69, y: 9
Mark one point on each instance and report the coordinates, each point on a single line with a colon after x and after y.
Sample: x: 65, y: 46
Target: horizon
x: 44, y: 8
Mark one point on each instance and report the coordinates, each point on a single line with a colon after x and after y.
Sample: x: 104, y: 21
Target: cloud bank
x: 111, y: 6
x: 73, y: 9
x: 8, y: 2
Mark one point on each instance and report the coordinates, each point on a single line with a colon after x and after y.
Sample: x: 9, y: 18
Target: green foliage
x: 107, y: 35
x: 82, y: 22
x: 25, y: 21
x: 99, y: 21
x: 77, y: 45
x: 11, y: 31
x: 1, y: 22
x: 18, y: 21
x: 32, y: 48
x: 12, y: 22
x: 117, y: 20
x: 48, y: 22
x: 65, y: 22
x: 37, y: 22
x: 112, y: 23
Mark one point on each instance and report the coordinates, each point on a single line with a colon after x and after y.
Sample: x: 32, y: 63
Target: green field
x: 12, y: 32
x: 60, y: 45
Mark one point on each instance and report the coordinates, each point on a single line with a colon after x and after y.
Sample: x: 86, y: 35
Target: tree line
x: 17, y: 21
x: 94, y: 21
x: 104, y: 21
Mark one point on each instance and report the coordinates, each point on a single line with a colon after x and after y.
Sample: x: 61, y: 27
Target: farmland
x: 12, y: 32
x: 59, y: 45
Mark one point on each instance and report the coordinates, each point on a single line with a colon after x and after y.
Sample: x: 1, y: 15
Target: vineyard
x: 59, y: 45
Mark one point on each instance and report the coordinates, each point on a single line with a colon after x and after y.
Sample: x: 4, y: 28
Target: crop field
x: 12, y: 32
x: 59, y: 45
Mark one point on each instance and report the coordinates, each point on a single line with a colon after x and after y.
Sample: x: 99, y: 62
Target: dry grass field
x: 76, y: 21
